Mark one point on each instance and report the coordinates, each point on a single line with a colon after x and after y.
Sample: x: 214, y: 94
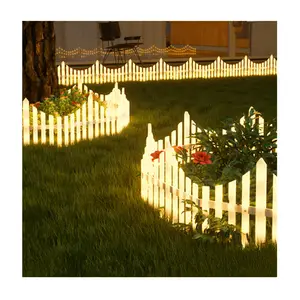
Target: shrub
x: 233, y: 154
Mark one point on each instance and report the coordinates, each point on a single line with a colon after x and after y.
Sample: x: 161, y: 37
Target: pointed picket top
x: 131, y: 62
x: 218, y: 59
x: 123, y: 91
x: 150, y: 142
x: 63, y: 64
x: 116, y: 86
x: 25, y: 102
x: 168, y: 145
x: 261, y: 164
x: 167, y: 142
x: 170, y: 152
x: 90, y: 97
x: 150, y: 130
x: 86, y: 89
x: 186, y: 115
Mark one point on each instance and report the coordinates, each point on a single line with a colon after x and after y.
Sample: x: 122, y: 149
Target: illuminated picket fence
x: 90, y: 121
x: 164, y: 185
x: 98, y: 73
x: 153, y: 50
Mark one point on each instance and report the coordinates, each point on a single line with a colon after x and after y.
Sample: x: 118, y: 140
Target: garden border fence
x: 164, y: 184
x: 98, y: 73
x: 90, y: 121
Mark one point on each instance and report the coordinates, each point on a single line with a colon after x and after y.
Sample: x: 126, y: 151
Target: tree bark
x: 39, y: 66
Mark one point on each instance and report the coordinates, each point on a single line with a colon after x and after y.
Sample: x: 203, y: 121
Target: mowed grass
x: 82, y: 210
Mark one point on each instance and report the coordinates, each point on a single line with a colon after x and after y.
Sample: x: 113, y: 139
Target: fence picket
x: 66, y: 130
x: 195, y: 191
x: 35, y: 125
x: 102, y: 123
x: 67, y: 75
x: 188, y: 193
x: 274, y: 209
x: 26, y: 124
x: 83, y: 117
x: 63, y: 77
x: 72, y: 129
x: 43, y: 127
x: 59, y: 132
x: 218, y: 201
x: 156, y: 185
x: 168, y: 160
x: 232, y: 202
x: 96, y: 119
x: 90, y: 115
x: 161, y: 176
x: 78, y: 127
x: 245, y: 228
x: 181, y: 189
x: 261, y: 201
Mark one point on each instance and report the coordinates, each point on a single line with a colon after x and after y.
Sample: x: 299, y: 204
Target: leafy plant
x: 210, y: 228
x: 67, y: 102
x: 234, y: 153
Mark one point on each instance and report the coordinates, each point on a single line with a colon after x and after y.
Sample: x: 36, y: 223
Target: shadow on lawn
x: 82, y: 210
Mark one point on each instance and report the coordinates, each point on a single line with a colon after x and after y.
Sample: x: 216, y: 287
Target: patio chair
x: 110, y: 31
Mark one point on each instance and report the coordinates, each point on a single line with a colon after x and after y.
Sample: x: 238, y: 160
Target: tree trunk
x: 39, y: 67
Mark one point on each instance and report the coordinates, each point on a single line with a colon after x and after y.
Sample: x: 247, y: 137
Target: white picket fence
x: 98, y: 73
x: 165, y: 185
x: 90, y: 121
x: 61, y: 53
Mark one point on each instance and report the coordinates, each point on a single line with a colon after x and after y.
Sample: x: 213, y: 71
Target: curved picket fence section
x: 153, y: 50
x: 98, y: 73
x: 90, y: 121
x: 164, y: 185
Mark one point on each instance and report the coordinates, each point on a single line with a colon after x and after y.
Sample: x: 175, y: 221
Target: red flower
x: 156, y: 154
x: 179, y: 149
x: 201, y: 158
x: 74, y: 103
x: 37, y: 104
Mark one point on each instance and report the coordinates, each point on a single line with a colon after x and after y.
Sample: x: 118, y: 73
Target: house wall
x: 86, y: 35
x: 264, y: 38
x: 74, y: 34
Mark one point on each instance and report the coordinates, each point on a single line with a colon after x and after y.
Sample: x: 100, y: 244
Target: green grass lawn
x: 82, y: 210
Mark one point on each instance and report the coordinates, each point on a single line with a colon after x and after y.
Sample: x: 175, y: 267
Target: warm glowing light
x: 98, y: 73
x: 89, y: 117
x: 164, y: 184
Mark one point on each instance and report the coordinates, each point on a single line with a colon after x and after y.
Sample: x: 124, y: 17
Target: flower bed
x: 75, y: 117
x: 222, y: 166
